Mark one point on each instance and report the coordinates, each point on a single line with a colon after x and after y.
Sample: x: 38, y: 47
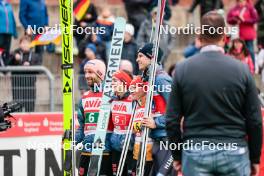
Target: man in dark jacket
x: 136, y: 12
x: 206, y: 5
x: 129, y: 51
x: 217, y: 96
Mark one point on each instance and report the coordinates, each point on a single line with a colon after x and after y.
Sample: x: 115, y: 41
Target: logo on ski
x: 66, y: 19
x: 67, y: 88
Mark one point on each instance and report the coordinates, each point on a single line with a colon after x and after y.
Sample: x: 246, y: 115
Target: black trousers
x: 147, y: 168
x: 129, y: 165
x: 162, y: 161
x: 5, y: 43
x: 106, y: 169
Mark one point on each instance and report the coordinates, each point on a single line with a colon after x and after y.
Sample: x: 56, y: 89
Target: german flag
x: 50, y: 36
x: 80, y: 9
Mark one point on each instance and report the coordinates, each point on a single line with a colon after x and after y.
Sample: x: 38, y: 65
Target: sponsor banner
x: 31, y: 156
x: 35, y: 124
x: 33, y: 146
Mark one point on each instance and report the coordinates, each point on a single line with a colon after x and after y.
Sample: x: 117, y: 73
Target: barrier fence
x: 36, y: 88
x: 28, y: 85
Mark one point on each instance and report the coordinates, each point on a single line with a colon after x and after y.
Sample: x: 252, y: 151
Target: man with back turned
x: 217, y: 96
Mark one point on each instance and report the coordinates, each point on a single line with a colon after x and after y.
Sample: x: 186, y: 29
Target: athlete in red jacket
x: 121, y: 110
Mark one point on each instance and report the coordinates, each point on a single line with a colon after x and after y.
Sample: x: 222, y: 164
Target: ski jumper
x: 88, y: 113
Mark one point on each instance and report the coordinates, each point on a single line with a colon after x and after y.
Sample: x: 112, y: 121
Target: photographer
x: 5, y: 111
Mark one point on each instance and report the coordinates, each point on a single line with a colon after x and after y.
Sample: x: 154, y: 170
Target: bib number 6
x: 91, y: 117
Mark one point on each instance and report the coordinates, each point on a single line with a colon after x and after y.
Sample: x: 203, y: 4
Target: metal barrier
x: 22, y: 79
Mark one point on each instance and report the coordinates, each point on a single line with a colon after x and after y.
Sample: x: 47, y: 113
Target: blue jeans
x: 216, y: 162
x: 250, y: 47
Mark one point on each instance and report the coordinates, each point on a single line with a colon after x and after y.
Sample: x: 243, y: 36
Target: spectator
x: 174, y: 2
x: 239, y: 51
x: 245, y: 15
x: 7, y: 26
x: 260, y: 64
x: 260, y: 33
x: 227, y: 43
x: 100, y: 47
x: 106, y: 20
x: 129, y: 51
x: 3, y: 58
x: 87, y: 20
x: 218, y: 99
x: 90, y: 54
x: 24, y: 83
x: 127, y: 66
x: 144, y: 34
x: 206, y: 6
x: 33, y: 13
x: 136, y: 12
x: 97, y: 41
x: 171, y: 70
x: 167, y: 10
x: 90, y: 51
x: 192, y: 49
x: 2, y: 64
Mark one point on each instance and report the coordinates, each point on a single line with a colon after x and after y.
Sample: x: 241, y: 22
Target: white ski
x: 105, y: 108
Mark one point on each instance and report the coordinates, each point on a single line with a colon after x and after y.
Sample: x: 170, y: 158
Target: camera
x: 5, y: 111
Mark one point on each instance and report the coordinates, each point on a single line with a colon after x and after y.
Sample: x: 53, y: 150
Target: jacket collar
x: 146, y: 73
x: 212, y: 48
x: 115, y: 97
